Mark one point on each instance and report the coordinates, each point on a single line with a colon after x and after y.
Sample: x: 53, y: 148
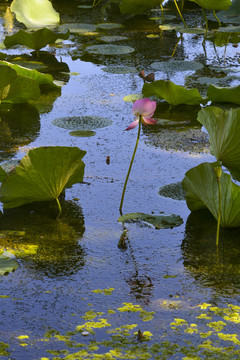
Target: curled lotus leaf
x: 34, y: 40
x: 105, y: 49
x: 82, y: 122
x: 35, y: 13
x: 42, y: 175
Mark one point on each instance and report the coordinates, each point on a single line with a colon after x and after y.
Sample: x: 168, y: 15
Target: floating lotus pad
x: 120, y: 69
x: 82, y: 133
x: 133, y: 97
x: 158, y: 221
x: 176, y: 65
x: 82, y: 122
x: 192, y: 31
x: 109, y: 26
x: 173, y: 191
x: 172, y: 27
x: 78, y: 28
x: 112, y: 38
x: 85, y: 6
x: 103, y: 49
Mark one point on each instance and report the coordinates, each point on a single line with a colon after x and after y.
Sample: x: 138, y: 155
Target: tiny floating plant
x: 143, y: 111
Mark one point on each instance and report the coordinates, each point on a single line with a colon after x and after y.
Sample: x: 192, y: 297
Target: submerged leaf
x: 224, y: 94
x: 223, y: 127
x: 42, y: 175
x: 34, y: 40
x: 176, y: 65
x: 172, y: 93
x: 35, y: 13
x: 201, y: 186
x: 103, y: 49
x: 82, y: 122
x: 158, y: 221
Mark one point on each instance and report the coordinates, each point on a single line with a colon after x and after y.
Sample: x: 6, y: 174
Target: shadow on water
x: 19, y: 126
x: 45, y: 245
x: 220, y: 269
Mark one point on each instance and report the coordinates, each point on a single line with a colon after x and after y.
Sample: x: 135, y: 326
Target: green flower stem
x: 214, y: 14
x: 219, y: 212
x: 180, y: 13
x: 59, y: 207
x: 206, y: 21
x: 130, y: 166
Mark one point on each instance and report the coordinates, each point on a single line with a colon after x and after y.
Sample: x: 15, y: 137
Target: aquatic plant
x: 143, y: 111
x: 35, y: 13
x: 42, y: 175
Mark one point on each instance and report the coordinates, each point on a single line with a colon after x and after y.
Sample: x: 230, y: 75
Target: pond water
x: 77, y: 294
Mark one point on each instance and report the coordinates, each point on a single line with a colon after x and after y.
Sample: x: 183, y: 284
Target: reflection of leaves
x: 199, y: 254
x: 7, y: 263
x: 223, y: 127
x: 172, y: 93
x: 136, y: 7
x: 34, y: 40
x: 42, y: 175
x: 201, y: 186
x: 158, y: 221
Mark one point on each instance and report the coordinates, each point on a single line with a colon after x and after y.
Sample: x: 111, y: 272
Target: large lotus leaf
x: 42, y: 175
x: 82, y: 122
x: 7, y: 263
x: 34, y: 40
x: 223, y: 127
x: 172, y: 93
x: 224, y: 94
x: 136, y: 7
x: 42, y: 79
x: 7, y: 75
x: 213, y: 4
x: 158, y: 221
x: 22, y: 89
x: 35, y: 13
x: 201, y: 186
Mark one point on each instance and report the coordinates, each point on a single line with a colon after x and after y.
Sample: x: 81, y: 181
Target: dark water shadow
x: 45, y: 245
x: 19, y: 126
x: 216, y: 269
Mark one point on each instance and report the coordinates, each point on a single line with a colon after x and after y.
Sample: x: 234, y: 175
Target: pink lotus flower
x: 143, y: 109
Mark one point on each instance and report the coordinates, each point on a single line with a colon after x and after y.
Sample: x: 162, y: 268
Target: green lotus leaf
x: 7, y: 263
x: 120, y: 69
x: 112, y: 38
x: 78, y: 28
x: 34, y: 40
x: 172, y: 93
x: 201, y: 186
x: 133, y: 97
x: 45, y: 80
x: 136, y: 7
x: 15, y: 88
x: 223, y: 127
x: 35, y: 13
x: 158, y: 221
x: 213, y: 4
x: 173, y: 191
x: 109, y: 26
x: 176, y: 65
x: 105, y: 49
x: 224, y: 94
x: 42, y: 175
x: 7, y: 75
x: 82, y: 122
x: 82, y: 133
